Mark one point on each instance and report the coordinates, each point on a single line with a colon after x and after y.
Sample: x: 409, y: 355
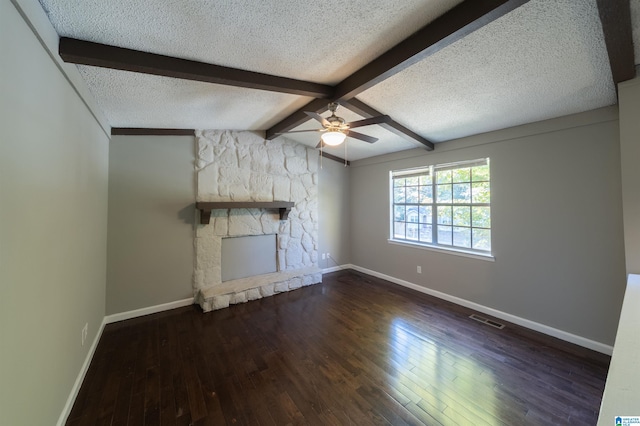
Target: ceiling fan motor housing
x: 337, y: 122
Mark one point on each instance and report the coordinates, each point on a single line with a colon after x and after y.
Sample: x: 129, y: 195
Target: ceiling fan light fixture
x: 333, y: 138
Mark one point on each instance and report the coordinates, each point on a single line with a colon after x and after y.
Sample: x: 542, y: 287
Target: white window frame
x: 433, y: 205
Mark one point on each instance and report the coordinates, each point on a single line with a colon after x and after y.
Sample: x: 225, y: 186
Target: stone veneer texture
x: 243, y: 166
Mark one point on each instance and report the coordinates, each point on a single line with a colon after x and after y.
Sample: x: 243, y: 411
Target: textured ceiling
x: 142, y: 100
x: 316, y: 41
x: 543, y: 60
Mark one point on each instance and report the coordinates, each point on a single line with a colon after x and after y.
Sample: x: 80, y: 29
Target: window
x: 447, y: 206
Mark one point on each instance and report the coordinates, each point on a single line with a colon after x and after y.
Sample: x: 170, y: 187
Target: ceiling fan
x: 335, y: 129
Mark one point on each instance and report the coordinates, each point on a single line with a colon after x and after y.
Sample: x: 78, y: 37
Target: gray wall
x: 53, y: 228
x: 557, y: 224
x: 151, y: 216
x: 333, y: 212
x: 629, y: 101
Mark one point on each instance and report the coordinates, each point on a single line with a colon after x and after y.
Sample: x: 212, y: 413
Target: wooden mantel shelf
x: 205, y: 207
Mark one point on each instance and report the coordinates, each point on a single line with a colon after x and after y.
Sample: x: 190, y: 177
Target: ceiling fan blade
x: 362, y: 137
x: 301, y: 131
x: 318, y: 117
x: 368, y: 121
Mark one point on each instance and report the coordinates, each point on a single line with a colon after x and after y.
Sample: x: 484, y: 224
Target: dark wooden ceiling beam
x: 457, y: 23
x: 615, y: 16
x: 297, y: 118
x: 102, y: 55
x: 146, y: 131
x: 460, y: 21
x: 360, y: 108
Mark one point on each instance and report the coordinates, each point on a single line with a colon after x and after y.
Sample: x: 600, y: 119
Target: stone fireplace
x: 243, y: 166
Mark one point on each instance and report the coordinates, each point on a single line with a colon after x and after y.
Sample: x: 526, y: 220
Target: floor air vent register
x: 486, y: 321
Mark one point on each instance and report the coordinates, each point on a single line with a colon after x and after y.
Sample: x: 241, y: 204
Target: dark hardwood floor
x: 355, y: 350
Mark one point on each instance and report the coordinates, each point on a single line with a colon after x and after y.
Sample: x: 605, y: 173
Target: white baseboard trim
x: 545, y: 329
x: 335, y: 268
x: 149, y: 310
x: 64, y: 416
x: 108, y: 320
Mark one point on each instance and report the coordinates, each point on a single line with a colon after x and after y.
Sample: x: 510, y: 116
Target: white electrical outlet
x: 85, y: 331
x: 324, y: 256
x: 419, y: 269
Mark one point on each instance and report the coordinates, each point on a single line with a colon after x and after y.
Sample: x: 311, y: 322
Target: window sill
x: 453, y: 251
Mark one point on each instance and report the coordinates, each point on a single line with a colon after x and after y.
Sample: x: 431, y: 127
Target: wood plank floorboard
x: 354, y: 350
